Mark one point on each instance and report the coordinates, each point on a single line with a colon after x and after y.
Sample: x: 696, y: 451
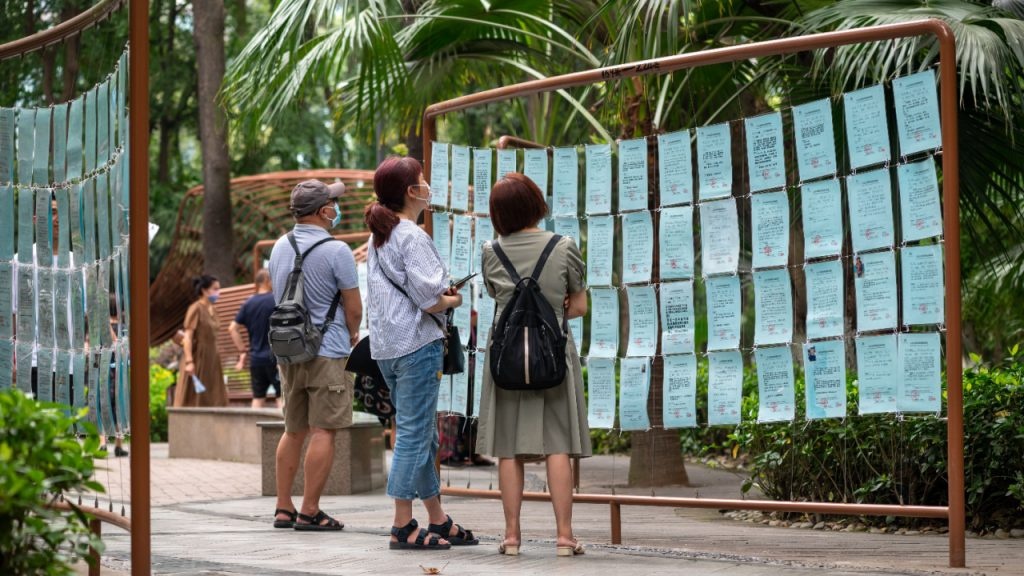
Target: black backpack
x: 294, y: 338
x: 527, y: 343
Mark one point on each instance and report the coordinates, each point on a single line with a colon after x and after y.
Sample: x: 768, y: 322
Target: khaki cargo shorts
x: 317, y: 394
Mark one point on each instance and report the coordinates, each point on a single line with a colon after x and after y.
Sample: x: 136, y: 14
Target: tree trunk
x: 49, y: 57
x: 414, y: 142
x: 163, y: 162
x: 71, y: 50
x: 218, y: 244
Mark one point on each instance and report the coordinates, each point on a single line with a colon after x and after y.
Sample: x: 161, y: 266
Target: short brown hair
x: 516, y: 203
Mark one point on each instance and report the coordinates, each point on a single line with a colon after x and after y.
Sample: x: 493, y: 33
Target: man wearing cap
x: 318, y: 393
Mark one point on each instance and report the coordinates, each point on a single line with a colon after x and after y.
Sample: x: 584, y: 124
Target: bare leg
x: 319, y: 457
x: 510, y: 482
x: 258, y: 402
x: 560, y: 486
x: 288, y: 451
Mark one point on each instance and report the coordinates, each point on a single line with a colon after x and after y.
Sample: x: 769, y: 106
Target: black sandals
x: 461, y: 537
x: 316, y: 523
x: 424, y: 540
x: 290, y: 522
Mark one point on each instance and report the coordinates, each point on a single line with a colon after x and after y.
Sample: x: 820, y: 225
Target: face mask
x: 213, y: 298
x: 337, y: 216
x: 429, y: 195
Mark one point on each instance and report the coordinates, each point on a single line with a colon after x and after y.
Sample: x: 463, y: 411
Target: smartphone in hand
x: 459, y: 283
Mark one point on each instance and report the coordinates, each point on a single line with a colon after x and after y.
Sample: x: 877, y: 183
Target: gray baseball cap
x: 311, y: 195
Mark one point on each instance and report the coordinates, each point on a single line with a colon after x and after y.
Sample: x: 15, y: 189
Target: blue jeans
x: 414, y: 380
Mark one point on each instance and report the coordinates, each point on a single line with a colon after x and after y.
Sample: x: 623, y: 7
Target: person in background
x: 200, y: 358
x: 254, y: 315
x: 552, y: 423
x: 115, y: 333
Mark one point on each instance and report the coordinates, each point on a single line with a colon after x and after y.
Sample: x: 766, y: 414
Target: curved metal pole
x: 61, y: 31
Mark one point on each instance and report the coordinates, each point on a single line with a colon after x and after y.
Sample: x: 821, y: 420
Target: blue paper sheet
x: 920, y: 372
x: 770, y: 223
x: 443, y: 236
x: 635, y: 382
x: 677, y: 318
x: 714, y: 161
x: 535, y: 167
x: 867, y: 129
x: 600, y: 250
x: 26, y: 148
x: 601, y: 393
x: 484, y: 232
x: 60, y: 142
x: 565, y: 177
x: 917, y: 112
x: 485, y: 307
x: 460, y: 178
x: 460, y: 389
x: 478, y: 384
x: 6, y: 364
x: 675, y: 239
x: 773, y: 307
x: 41, y: 157
x: 871, y: 221
x: 462, y: 246
x: 462, y: 317
x: 725, y: 387
x: 920, y: 210
x: 815, y: 139
x: 720, y: 237
x: 924, y: 296
x: 637, y: 247
x: 643, y: 321
x: 679, y: 403
x: 825, y: 300
x: 775, y: 384
x: 439, y: 174
x: 633, y: 175
x: 604, y: 322
x: 875, y: 284
x: 482, y: 164
x: 825, y: 379
x: 7, y: 130
x: 877, y: 374
x: 74, y: 146
x: 675, y: 168
x: 508, y: 162
x: 599, y: 178
x: 444, y: 395
x: 766, y: 158
x: 576, y: 333
x: 723, y: 295
x: 822, y: 206
x: 568, y: 226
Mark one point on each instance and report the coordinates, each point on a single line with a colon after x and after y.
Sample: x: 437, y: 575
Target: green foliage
x: 160, y: 379
x: 41, y: 458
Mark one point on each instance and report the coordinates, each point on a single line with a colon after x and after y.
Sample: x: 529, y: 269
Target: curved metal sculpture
x: 259, y: 212
x: 60, y: 32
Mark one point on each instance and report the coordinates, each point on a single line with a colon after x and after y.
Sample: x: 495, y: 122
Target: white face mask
x: 429, y: 195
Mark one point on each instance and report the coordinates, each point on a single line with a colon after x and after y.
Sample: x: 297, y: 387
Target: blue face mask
x: 337, y: 216
x: 213, y: 298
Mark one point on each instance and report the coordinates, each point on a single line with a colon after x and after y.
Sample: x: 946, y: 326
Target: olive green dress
x: 552, y: 421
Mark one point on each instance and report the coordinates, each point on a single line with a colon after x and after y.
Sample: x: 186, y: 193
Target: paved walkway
x: 208, y: 518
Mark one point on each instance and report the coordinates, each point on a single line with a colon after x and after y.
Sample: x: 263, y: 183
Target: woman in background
x: 200, y: 379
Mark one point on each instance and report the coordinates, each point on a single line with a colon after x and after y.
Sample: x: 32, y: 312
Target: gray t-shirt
x: 328, y: 269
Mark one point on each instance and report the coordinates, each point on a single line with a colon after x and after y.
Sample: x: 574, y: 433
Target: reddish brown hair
x: 390, y: 182
x: 516, y: 203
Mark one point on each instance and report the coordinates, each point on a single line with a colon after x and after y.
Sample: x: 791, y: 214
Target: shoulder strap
x: 503, y: 258
x: 505, y: 262
x: 300, y: 256
x: 404, y: 293
x: 332, y: 311
x: 544, y: 256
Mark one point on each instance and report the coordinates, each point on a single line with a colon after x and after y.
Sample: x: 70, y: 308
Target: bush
x: 40, y: 458
x: 160, y: 379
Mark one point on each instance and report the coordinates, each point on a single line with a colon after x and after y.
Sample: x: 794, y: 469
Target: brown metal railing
x: 951, y: 228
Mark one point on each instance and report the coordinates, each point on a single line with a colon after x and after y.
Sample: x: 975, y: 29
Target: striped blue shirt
x: 399, y: 325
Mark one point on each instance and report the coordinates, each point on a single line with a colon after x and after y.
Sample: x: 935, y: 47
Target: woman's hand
x: 189, y: 368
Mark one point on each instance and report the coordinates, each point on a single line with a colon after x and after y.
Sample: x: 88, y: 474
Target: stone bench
x: 229, y: 434
x: 358, y: 458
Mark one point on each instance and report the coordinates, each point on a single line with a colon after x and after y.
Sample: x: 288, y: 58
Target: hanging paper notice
x: 6, y: 364
x: 604, y: 322
x: 478, y: 384
x: 877, y: 374
x: 871, y: 219
x: 770, y: 221
x: 766, y: 162
x: 74, y: 146
x: 920, y: 211
x: 460, y: 178
x: 824, y: 299
x: 442, y: 237
x: 637, y: 247
x: 484, y: 233
x: 535, y: 167
x: 444, y: 395
x: 463, y: 318
x: 923, y: 285
x: 720, y: 237
x: 725, y: 387
x: 867, y: 128
x: 482, y: 163
x: 723, y: 294
x: 60, y: 142
x: 920, y: 387
x: 484, y: 318
x: 565, y: 182
x: 917, y: 112
x: 775, y: 384
x: 460, y: 389
x: 6, y: 225
x: 507, y: 162
x: 576, y: 332
x: 675, y: 168
x: 600, y: 249
x: 677, y: 318
x: 815, y: 140
x: 599, y: 179
x: 679, y: 404
x: 41, y: 158
x: 675, y: 238
x: 773, y: 307
x: 568, y: 226
x: 714, y: 161
x: 635, y: 382
x: 643, y: 321
x: 601, y: 392
x: 822, y: 208
x: 462, y: 246
x: 825, y: 375
x: 875, y: 283
x: 633, y: 175
x: 7, y: 129
x: 26, y: 135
